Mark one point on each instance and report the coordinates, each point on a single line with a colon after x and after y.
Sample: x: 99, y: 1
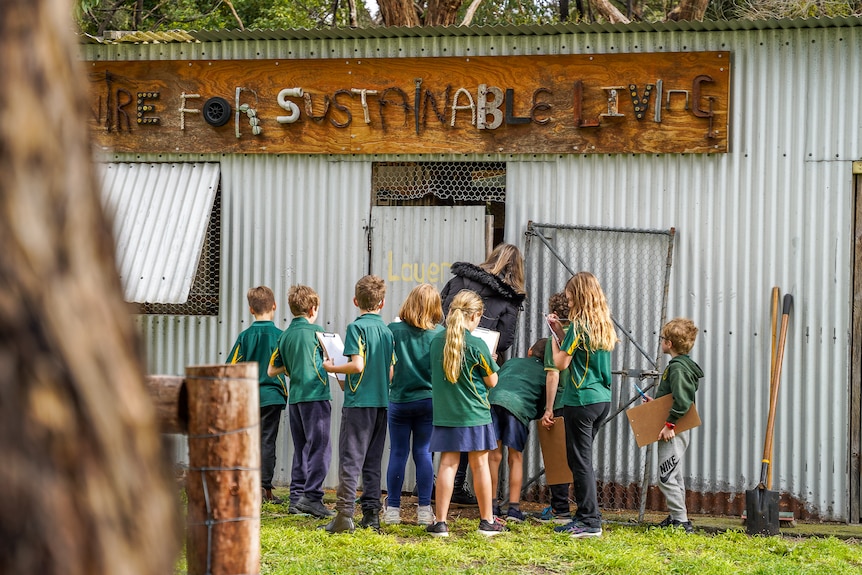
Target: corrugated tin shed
x: 778, y: 210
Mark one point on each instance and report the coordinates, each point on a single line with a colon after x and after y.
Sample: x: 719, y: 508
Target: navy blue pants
x: 312, y: 451
x: 360, y: 447
x: 270, y: 418
x: 582, y: 425
x: 412, y: 419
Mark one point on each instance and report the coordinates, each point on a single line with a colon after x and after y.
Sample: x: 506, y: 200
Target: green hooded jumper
x: 680, y: 379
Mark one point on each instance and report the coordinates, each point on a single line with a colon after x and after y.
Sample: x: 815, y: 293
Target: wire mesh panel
x: 633, y: 267
x: 397, y: 182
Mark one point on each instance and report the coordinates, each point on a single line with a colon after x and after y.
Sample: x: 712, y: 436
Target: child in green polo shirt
x: 517, y: 399
x: 410, y: 405
x: 462, y: 371
x: 256, y: 344
x: 370, y: 347
x: 586, y: 350
x: 299, y: 355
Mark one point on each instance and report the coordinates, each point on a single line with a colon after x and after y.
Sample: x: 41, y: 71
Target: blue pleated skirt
x: 462, y: 439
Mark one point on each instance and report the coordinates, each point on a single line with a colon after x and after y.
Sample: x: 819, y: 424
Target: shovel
x: 761, y: 504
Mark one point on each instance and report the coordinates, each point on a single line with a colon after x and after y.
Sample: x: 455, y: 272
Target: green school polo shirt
x: 367, y: 336
x: 465, y: 402
x: 550, y: 366
x: 299, y: 352
x: 257, y: 344
x: 589, y: 379
x: 412, y: 378
x: 521, y: 388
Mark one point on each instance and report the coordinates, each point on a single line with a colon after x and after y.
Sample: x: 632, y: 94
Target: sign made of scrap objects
x: 576, y: 104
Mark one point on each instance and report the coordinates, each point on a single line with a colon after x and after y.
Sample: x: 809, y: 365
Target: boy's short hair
x: 559, y: 304
x: 260, y: 299
x: 681, y: 332
x: 302, y: 299
x: 370, y: 291
x: 538, y: 349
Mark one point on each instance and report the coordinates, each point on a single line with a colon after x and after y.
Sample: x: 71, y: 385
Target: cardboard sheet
x: 648, y: 418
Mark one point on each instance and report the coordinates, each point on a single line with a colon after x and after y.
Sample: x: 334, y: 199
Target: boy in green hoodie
x: 680, y: 379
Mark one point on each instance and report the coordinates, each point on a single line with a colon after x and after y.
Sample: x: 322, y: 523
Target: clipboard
x: 489, y: 336
x: 647, y: 419
x: 333, y: 349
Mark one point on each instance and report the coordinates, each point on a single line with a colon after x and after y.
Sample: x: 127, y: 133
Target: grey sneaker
x: 438, y: 529
x: 392, y: 515
x: 424, y: 515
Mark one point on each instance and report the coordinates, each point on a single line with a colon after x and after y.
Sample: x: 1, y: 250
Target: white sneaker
x: 392, y: 515
x: 424, y: 515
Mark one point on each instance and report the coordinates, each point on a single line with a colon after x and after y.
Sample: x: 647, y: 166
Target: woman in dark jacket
x: 499, y: 281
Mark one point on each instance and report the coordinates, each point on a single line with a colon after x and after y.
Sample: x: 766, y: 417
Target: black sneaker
x: 490, y: 529
x: 314, y: 508
x: 463, y: 497
x: 341, y: 523
x: 671, y: 522
x: 515, y: 515
x: 370, y: 520
x: 438, y: 529
x: 689, y: 528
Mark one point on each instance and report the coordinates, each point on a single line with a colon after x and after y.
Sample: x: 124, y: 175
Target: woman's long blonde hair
x: 422, y: 308
x: 507, y: 262
x: 589, y: 311
x: 464, y: 306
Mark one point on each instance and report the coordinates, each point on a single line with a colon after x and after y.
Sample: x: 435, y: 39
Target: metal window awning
x: 160, y: 213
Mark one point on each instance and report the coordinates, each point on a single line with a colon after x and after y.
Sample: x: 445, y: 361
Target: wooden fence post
x: 223, y: 484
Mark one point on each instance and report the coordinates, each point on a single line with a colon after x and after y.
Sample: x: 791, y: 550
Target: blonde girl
x: 586, y: 351
x: 410, y: 407
x: 462, y: 371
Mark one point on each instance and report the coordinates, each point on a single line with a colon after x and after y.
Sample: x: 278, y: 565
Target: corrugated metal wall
x: 776, y: 210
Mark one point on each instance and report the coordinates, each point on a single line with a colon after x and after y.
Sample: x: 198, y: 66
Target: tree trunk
x: 689, y: 10
x: 609, y: 12
x: 398, y: 13
x: 86, y: 487
x: 441, y: 12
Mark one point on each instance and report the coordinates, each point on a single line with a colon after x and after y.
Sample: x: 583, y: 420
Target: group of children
x: 441, y: 387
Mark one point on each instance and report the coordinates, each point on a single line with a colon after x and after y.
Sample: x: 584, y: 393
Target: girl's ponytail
x: 465, y: 304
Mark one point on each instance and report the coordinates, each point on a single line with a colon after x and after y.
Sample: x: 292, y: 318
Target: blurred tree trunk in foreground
x: 84, y: 486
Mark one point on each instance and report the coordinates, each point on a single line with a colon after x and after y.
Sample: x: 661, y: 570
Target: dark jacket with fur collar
x: 502, y: 302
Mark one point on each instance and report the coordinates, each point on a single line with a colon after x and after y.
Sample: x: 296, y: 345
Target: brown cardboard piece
x: 553, y: 444
x: 648, y: 418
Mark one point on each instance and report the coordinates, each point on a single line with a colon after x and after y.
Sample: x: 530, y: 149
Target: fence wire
x: 633, y: 267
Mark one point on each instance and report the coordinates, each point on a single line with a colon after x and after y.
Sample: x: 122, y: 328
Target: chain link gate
x: 633, y: 267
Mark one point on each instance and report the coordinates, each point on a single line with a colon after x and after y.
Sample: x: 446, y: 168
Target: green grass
x: 291, y: 544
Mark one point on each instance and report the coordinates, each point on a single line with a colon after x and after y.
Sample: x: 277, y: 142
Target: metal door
x: 411, y: 245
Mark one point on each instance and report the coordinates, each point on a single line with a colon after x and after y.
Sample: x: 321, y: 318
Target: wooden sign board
x: 567, y: 104
x: 647, y: 419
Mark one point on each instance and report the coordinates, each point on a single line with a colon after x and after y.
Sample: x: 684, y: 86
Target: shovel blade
x: 761, y: 510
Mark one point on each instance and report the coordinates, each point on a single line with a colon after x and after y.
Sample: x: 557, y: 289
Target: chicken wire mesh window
x: 438, y: 183
x: 204, y: 292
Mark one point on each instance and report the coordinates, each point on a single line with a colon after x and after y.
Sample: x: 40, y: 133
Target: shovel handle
x: 776, y: 378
